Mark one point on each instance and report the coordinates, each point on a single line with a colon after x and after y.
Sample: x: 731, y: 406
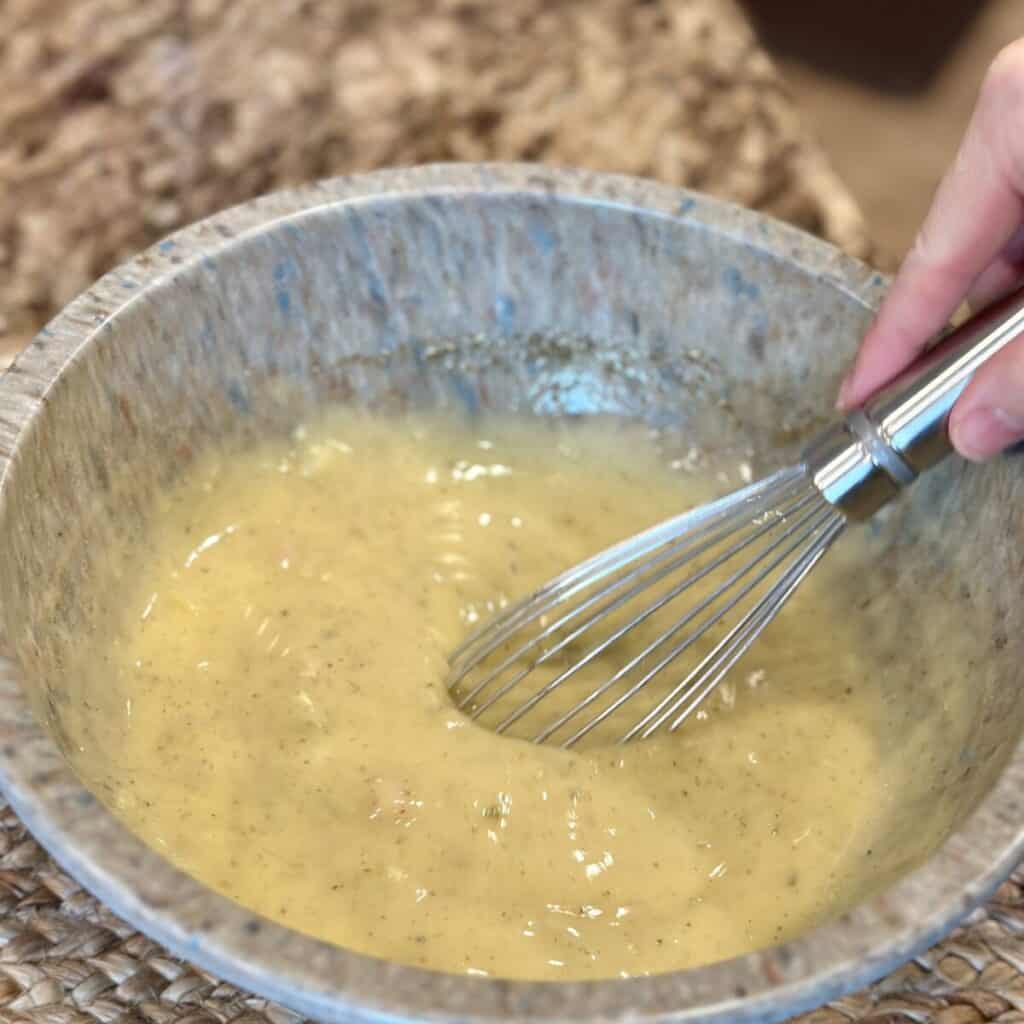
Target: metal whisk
x: 637, y: 637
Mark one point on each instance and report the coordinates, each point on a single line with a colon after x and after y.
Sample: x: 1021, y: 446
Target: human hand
x: 971, y: 247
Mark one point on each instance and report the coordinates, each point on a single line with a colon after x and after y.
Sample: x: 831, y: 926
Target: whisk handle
x: 911, y: 414
x: 862, y: 463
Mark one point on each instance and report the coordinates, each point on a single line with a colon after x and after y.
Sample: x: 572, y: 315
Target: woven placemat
x: 120, y: 121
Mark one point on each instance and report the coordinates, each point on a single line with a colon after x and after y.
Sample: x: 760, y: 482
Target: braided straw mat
x: 122, y: 120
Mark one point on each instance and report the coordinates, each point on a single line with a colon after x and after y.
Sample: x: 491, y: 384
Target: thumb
x: 990, y: 413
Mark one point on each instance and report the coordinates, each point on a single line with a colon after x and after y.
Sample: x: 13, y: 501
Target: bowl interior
x: 514, y: 300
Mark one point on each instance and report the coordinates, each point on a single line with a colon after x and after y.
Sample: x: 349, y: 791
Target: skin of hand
x: 971, y: 246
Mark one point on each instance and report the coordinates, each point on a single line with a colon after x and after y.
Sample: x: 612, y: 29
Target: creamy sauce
x: 270, y: 712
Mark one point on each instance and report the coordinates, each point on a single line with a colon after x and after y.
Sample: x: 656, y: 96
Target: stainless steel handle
x: 865, y: 461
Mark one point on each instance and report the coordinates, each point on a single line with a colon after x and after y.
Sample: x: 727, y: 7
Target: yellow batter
x: 270, y: 712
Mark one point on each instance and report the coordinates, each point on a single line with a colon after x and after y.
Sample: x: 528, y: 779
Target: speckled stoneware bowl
x: 546, y: 292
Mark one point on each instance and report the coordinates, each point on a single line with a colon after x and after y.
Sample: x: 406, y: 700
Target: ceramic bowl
x: 545, y: 293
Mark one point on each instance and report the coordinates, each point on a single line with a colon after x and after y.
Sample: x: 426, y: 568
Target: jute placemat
x: 121, y: 120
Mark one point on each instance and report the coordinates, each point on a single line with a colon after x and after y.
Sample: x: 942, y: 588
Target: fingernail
x: 845, y: 391
x: 983, y: 433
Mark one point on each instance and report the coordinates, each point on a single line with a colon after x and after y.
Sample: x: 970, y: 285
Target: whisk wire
x: 605, y: 610
x: 798, y: 534
x: 672, y: 631
x: 686, y: 528
x: 692, y: 691
x: 780, y: 525
x: 762, y: 618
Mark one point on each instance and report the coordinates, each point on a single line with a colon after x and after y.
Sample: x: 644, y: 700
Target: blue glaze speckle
x: 540, y: 236
x: 208, y: 335
x: 505, y: 312
x: 237, y: 396
x: 284, y: 274
x: 465, y: 392
x: 573, y: 392
x: 739, y: 285
x: 669, y: 373
x: 418, y: 356
x: 375, y: 286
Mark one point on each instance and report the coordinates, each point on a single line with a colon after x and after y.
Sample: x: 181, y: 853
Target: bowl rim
x: 334, y: 984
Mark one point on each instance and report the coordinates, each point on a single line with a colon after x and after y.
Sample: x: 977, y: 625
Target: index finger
x: 976, y: 211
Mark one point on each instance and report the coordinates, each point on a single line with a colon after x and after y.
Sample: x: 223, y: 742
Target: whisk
x: 635, y: 639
